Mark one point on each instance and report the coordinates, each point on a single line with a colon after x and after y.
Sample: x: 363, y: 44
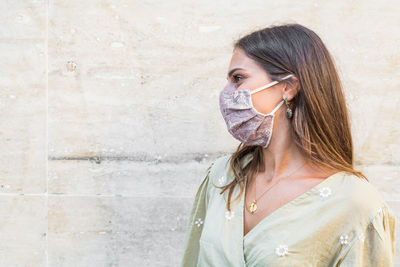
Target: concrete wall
x: 109, y: 116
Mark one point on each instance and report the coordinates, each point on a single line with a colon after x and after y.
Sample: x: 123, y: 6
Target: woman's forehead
x: 239, y: 56
x: 241, y: 60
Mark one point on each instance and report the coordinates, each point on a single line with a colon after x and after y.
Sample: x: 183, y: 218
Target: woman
x: 289, y: 195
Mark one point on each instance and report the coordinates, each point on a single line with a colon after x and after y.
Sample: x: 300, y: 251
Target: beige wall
x: 100, y: 164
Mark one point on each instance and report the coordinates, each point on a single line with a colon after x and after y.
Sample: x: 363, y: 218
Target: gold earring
x: 289, y: 112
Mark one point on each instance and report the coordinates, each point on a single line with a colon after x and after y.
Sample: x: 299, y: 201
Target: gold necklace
x: 253, y: 205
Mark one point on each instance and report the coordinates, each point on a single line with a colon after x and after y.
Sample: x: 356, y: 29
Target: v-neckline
x: 286, y: 205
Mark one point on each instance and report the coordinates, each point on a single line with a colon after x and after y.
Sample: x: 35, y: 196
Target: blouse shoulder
x: 362, y: 197
x: 218, y: 174
x: 375, y: 223
x: 366, y: 225
x: 221, y: 173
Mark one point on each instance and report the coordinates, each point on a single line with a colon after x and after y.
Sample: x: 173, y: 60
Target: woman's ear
x: 291, y: 88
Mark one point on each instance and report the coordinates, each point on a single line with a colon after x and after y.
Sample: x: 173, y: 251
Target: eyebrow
x: 232, y: 71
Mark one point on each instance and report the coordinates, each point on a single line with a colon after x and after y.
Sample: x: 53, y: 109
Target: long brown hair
x: 320, y: 125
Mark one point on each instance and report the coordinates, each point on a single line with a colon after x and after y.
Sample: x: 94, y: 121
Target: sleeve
x: 194, y: 227
x: 375, y: 245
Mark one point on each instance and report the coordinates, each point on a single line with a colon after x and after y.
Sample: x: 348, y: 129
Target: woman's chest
x: 261, y: 201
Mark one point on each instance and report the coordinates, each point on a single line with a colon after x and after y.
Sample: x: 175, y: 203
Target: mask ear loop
x: 269, y: 85
x: 277, y: 107
x: 264, y: 87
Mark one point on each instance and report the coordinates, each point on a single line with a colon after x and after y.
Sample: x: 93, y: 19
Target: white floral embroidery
x: 229, y: 214
x: 221, y: 180
x: 325, y: 191
x: 199, y: 222
x: 344, y: 239
x: 281, y: 250
x: 361, y: 237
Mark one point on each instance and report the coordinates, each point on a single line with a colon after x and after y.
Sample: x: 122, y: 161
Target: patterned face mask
x: 243, y: 121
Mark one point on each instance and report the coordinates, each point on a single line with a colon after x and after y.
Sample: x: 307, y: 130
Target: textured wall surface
x: 109, y: 116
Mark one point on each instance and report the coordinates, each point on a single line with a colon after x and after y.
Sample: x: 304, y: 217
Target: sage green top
x: 342, y: 221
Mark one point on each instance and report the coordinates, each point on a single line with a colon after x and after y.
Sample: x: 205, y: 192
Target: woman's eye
x: 235, y: 78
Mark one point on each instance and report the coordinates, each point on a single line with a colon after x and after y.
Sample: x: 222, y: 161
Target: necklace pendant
x: 253, y: 206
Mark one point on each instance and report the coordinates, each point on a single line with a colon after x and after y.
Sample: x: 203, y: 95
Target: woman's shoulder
x: 361, y: 197
x: 219, y: 170
x: 222, y: 163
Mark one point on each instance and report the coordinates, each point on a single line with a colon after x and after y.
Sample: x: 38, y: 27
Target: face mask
x: 243, y: 121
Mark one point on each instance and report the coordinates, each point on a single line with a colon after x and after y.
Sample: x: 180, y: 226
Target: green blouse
x: 342, y: 221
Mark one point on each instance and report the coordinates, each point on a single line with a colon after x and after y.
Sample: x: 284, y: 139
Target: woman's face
x: 245, y: 73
